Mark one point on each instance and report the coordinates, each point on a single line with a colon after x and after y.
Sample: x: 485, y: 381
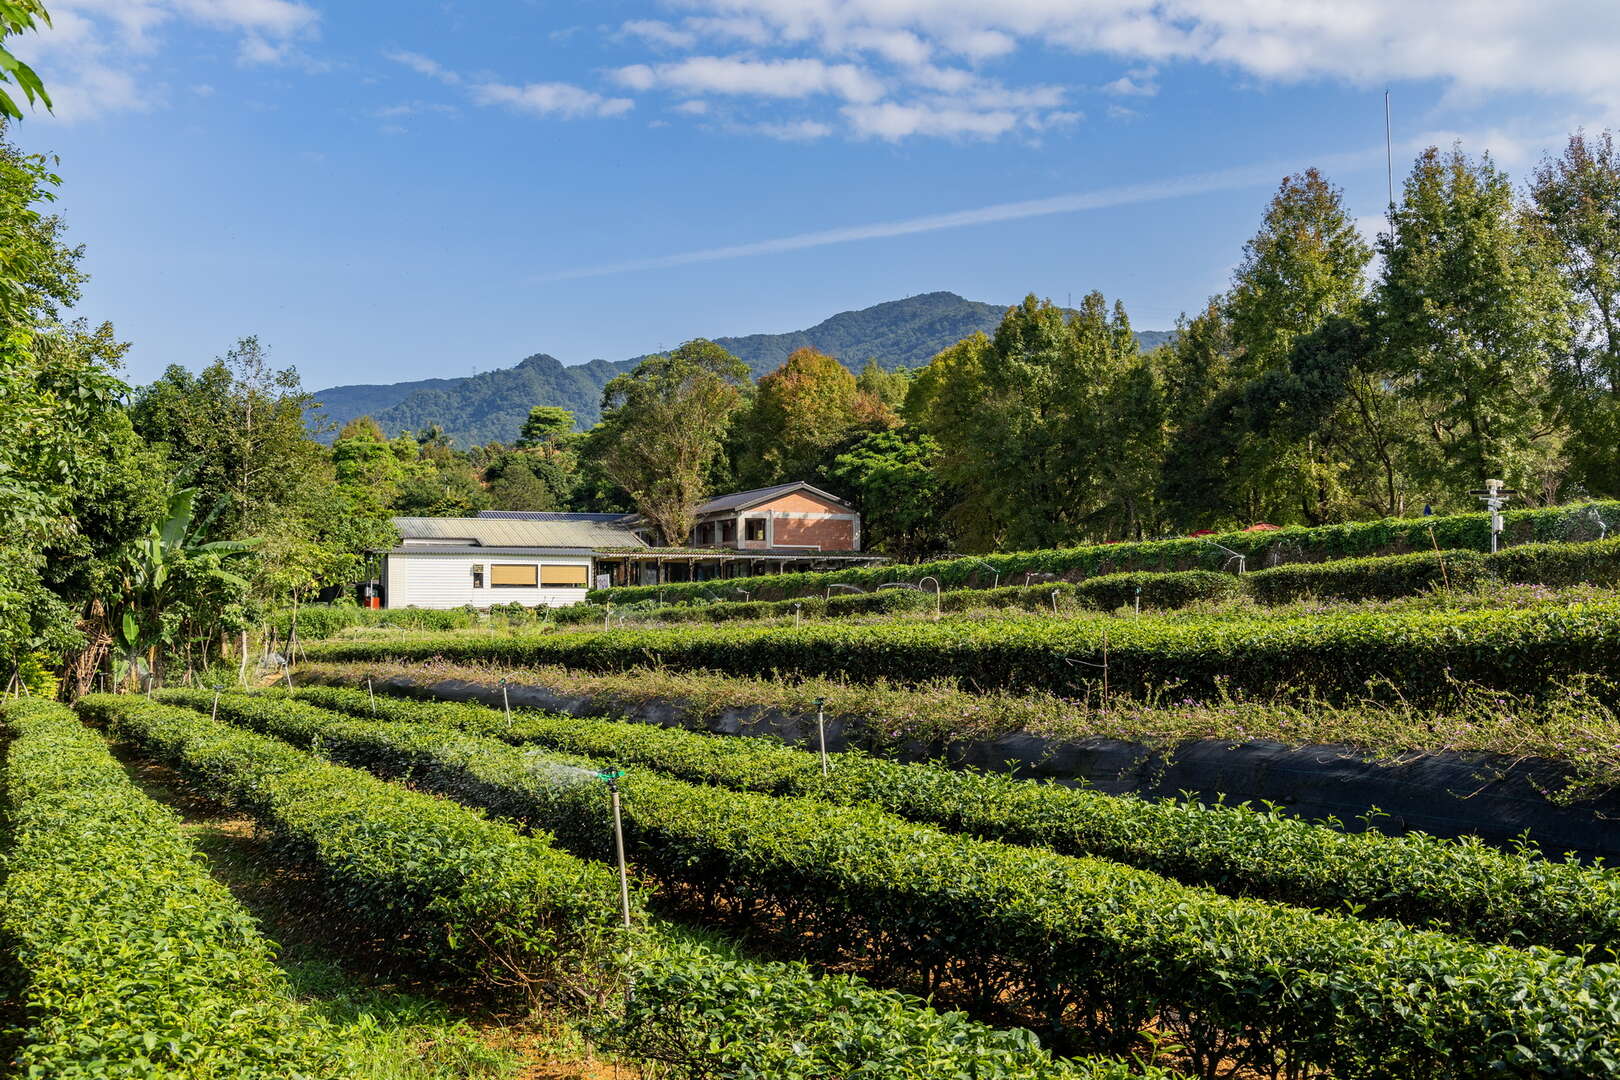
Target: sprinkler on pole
x: 821, y: 731
x: 612, y: 778
x: 798, y: 610
x: 506, y: 702
x: 1494, y: 496
x: 996, y: 583
x: 1233, y: 556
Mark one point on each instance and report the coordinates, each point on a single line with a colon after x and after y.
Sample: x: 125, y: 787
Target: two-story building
x: 552, y: 559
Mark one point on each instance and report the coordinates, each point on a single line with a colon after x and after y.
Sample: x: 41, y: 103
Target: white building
x: 537, y: 559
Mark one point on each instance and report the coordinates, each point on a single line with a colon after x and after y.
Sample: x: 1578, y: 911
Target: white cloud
x: 1138, y: 82
x: 697, y: 107
x: 1558, y: 46
x: 424, y: 65
x: 659, y: 33
x: 551, y: 99
x: 96, y: 55
x: 742, y: 76
x: 889, y: 120
x: 790, y: 131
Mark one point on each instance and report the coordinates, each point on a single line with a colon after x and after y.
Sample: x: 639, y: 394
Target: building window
x: 478, y: 577
x: 700, y: 535
x: 756, y: 528
x: 728, y: 532
x: 514, y: 575
x: 566, y: 577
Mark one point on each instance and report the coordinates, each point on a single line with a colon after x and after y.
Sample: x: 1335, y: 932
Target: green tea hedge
x: 701, y: 1013
x: 1559, y: 564
x: 811, y: 607
x: 131, y: 960
x: 1383, y: 578
x: 471, y: 894
x: 1423, y: 654
x: 1089, y: 949
x: 1464, y: 887
x: 1388, y: 536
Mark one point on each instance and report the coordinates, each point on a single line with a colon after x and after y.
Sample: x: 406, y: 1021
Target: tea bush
x: 132, y: 960
x: 1464, y: 887
x: 1424, y: 655
x: 1383, y: 578
x: 473, y: 895
x: 1092, y: 949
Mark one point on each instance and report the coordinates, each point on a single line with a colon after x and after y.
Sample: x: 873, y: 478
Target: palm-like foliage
x: 170, y: 568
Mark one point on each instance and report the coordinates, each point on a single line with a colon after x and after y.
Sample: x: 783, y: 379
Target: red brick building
x: 787, y: 517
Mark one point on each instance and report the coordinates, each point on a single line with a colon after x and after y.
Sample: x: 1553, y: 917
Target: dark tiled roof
x: 742, y: 500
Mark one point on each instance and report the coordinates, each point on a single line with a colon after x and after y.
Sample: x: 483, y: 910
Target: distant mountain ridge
x: 492, y: 405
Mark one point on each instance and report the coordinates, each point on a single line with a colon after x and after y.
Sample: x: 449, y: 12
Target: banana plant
x: 166, y: 574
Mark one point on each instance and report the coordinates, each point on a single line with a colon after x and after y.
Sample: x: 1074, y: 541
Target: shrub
x: 1388, y: 536
x: 703, y: 1014
x: 1166, y: 591
x: 474, y: 895
x: 1337, y: 657
x: 1558, y: 564
x: 1094, y: 948
x: 133, y: 961
x: 1382, y: 578
x: 1463, y: 886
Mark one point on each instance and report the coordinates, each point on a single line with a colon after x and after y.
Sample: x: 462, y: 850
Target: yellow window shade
x: 512, y: 574
x: 565, y: 575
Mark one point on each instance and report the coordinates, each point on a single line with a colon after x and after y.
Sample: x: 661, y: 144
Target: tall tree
x: 890, y: 477
x: 16, y: 17
x: 545, y: 425
x: 1476, y: 318
x: 662, y: 429
x: 1576, y: 201
x: 799, y: 413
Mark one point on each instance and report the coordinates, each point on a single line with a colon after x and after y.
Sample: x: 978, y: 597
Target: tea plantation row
x: 470, y: 895
x: 1389, y: 536
x: 1092, y: 949
x: 1464, y: 887
x: 1425, y: 655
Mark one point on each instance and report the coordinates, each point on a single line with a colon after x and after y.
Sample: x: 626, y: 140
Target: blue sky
x: 406, y: 190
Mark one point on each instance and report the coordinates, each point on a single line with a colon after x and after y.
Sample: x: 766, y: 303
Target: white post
x: 618, y: 843
x: 821, y: 731
x: 507, y: 704
x: 372, y: 695
x: 214, y: 715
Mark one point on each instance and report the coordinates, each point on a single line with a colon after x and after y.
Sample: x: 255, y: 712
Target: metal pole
x: 507, y: 703
x: 821, y: 731
x: 618, y: 842
x: 372, y: 695
x: 214, y: 715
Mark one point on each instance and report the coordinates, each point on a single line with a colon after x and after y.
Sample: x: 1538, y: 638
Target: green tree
x: 1576, y: 203
x: 545, y: 425
x: 1476, y: 318
x: 800, y: 412
x: 662, y: 430
x: 891, y: 479
x: 17, y: 17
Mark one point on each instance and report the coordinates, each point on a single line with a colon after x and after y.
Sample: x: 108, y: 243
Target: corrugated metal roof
x: 552, y: 515
x: 506, y: 532
x: 742, y: 500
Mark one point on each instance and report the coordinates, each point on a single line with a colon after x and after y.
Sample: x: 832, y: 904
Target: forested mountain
x: 492, y: 406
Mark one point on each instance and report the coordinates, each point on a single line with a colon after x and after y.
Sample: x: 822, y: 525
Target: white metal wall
x: 446, y: 581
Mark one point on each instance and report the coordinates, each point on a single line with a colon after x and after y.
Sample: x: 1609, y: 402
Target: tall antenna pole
x: 1389, y: 156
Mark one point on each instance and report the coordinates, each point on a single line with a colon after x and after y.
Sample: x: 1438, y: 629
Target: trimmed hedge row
x: 1094, y: 949
x: 1423, y: 654
x: 1559, y: 564
x: 1464, y: 887
x: 132, y: 960
x: 703, y: 1014
x: 1388, y: 536
x: 473, y: 895
x: 706, y: 1013
x: 811, y: 607
x: 1383, y: 578
x: 318, y: 621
